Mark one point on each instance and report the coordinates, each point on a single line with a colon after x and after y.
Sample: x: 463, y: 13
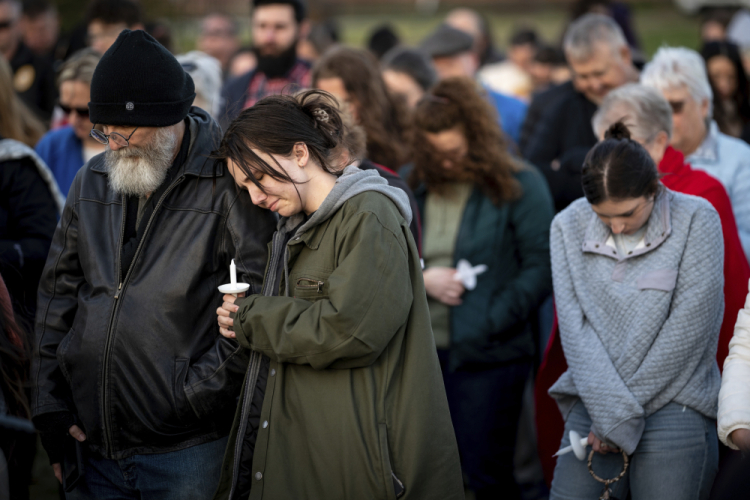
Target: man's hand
x: 741, y: 439
x: 600, y: 446
x: 226, y: 324
x: 440, y: 284
x: 77, y: 434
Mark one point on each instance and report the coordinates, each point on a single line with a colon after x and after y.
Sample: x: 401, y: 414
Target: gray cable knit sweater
x: 638, y: 330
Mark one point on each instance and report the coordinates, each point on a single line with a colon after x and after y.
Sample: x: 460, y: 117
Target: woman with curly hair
x: 353, y: 77
x: 482, y: 206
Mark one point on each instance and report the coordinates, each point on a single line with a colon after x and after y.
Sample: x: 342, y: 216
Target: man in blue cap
x: 129, y: 361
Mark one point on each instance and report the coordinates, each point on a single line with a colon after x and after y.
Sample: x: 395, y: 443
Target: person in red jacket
x: 649, y: 117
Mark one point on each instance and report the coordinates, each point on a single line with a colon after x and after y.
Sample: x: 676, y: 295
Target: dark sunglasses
x: 677, y: 106
x: 82, y: 112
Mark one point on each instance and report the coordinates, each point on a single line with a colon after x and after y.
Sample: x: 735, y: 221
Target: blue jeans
x: 189, y: 474
x: 677, y: 457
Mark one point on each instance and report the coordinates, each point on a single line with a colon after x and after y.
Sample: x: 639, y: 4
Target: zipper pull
x: 117, y: 295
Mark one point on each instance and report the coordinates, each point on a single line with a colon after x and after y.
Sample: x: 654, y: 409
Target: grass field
x: 655, y: 25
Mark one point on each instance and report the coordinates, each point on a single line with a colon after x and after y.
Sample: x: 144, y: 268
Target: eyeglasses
x: 677, y: 106
x: 82, y: 112
x: 117, y: 138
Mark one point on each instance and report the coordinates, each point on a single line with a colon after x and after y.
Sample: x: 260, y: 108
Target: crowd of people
x: 412, y: 238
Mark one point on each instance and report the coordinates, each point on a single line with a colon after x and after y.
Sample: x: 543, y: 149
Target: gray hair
x: 585, y: 32
x: 674, y: 67
x: 642, y: 109
x: 80, y: 67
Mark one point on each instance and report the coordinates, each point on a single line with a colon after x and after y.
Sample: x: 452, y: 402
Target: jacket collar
x: 708, y: 151
x: 659, y: 229
x: 205, y: 136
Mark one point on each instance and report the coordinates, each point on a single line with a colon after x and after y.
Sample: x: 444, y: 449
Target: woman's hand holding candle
x: 226, y: 323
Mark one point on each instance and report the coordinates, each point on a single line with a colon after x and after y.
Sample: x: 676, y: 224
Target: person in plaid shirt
x: 277, y: 27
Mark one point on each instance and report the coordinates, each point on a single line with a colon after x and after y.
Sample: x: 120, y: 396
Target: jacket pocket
x: 659, y: 279
x: 394, y: 487
x: 310, y: 286
x: 181, y: 404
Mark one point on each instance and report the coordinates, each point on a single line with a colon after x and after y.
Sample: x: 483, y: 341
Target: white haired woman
x: 680, y: 75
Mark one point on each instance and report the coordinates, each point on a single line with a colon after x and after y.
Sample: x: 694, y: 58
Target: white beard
x: 138, y: 171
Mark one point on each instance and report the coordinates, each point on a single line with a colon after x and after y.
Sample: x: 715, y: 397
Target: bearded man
x: 129, y: 361
x: 277, y: 27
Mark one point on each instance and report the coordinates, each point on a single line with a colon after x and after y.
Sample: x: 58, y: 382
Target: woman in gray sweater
x: 637, y: 274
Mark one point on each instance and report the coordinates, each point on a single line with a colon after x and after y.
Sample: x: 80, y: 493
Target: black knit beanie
x: 139, y: 83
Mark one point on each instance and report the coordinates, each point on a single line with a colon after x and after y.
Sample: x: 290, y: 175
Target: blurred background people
x: 548, y: 69
x: 731, y: 104
x: 17, y: 122
x: 680, y: 75
x: 33, y: 76
x: 560, y: 134
x: 481, y: 205
x: 513, y: 76
x: 321, y: 37
x: 278, y: 25
x: 408, y: 73
x: 66, y: 149
x: 353, y: 77
x: 30, y: 200
x: 105, y: 19
x: 382, y: 39
x: 452, y: 55
x: 219, y: 38
x: 40, y: 24
x: 206, y: 74
x: 243, y: 61
x: 478, y: 26
x: 714, y: 23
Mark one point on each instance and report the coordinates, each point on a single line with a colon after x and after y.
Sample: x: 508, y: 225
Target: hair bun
x: 617, y: 131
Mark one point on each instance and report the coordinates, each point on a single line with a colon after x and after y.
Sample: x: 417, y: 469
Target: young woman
x: 353, y: 76
x: 343, y: 397
x: 638, y: 275
x: 731, y: 103
x: 481, y: 205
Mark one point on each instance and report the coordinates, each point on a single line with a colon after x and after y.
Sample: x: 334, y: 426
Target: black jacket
x: 141, y: 362
x: 28, y: 216
x: 34, y: 81
x: 560, y: 141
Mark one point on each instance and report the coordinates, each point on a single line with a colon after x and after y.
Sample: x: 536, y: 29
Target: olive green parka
x: 354, y: 402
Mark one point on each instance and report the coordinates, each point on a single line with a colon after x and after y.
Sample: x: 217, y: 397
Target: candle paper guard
x: 234, y: 288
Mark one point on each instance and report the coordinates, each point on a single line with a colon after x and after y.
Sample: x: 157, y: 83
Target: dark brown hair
x: 384, y: 117
x: 275, y: 124
x: 457, y: 102
x: 618, y: 168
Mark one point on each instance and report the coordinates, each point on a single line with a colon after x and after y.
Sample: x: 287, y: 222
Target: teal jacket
x: 491, y: 326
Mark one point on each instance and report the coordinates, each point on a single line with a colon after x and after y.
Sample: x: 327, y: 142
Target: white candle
x: 233, y: 272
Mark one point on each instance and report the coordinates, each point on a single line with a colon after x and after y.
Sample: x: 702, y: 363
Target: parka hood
x: 351, y: 183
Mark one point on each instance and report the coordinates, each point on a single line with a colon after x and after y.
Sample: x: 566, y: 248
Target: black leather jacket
x: 141, y: 362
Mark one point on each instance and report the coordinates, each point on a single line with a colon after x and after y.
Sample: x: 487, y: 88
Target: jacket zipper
x: 124, y: 282
x: 253, y: 370
x: 312, y: 284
